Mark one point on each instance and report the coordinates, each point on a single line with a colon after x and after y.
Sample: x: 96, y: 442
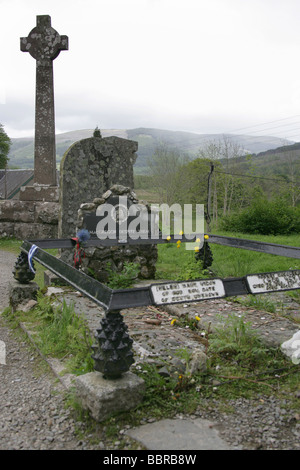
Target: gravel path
x: 32, y: 412
x: 33, y: 416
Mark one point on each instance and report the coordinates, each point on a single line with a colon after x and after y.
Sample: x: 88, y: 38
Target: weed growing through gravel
x: 236, y: 339
x: 259, y: 302
x: 238, y: 365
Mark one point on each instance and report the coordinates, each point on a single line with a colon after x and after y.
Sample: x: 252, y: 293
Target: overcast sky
x: 206, y: 66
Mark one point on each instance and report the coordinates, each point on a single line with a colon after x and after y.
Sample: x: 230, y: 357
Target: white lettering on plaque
x: 188, y: 291
x: 270, y: 282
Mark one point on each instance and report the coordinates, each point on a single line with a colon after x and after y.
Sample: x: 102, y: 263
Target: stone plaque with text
x: 272, y: 282
x: 187, y: 291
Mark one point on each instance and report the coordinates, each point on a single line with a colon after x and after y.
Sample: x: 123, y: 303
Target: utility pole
x: 208, y: 204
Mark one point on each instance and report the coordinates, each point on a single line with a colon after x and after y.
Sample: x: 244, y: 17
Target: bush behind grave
x: 265, y: 217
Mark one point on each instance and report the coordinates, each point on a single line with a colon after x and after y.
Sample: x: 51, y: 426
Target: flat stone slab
x: 179, y: 434
x: 104, y: 398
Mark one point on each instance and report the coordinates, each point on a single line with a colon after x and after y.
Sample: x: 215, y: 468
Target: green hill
x: 282, y: 162
x: 22, y: 150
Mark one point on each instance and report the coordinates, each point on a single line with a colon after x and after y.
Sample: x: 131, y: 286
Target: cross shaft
x: 44, y: 45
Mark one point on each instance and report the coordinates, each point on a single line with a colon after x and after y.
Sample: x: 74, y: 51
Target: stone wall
x: 28, y: 219
x: 89, y: 168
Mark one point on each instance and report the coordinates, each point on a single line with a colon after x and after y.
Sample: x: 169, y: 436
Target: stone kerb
x: 89, y: 168
x: 97, y: 258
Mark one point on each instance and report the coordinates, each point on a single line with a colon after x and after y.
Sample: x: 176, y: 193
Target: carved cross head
x: 43, y: 42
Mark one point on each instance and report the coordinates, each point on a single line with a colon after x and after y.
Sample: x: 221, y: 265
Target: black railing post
x: 22, y: 271
x: 113, y: 356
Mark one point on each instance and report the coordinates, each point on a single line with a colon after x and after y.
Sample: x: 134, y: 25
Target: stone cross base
x: 39, y: 193
x: 104, y: 398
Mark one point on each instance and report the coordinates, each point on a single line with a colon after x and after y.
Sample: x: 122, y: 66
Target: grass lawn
x: 178, y: 263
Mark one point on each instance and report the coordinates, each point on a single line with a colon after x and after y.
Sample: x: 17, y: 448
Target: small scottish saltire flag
x: 30, y: 256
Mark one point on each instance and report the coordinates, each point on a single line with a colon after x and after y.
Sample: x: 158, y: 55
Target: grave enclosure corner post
x: 22, y: 272
x: 113, y: 356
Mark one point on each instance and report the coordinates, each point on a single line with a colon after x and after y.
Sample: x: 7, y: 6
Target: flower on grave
x: 168, y: 238
x: 198, y: 240
x: 197, y: 248
x: 206, y: 237
x: 181, y: 232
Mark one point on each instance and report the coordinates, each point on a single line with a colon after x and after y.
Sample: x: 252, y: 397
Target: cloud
x: 190, y: 65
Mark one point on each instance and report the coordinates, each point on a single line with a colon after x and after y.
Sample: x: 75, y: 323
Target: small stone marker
x: 44, y: 45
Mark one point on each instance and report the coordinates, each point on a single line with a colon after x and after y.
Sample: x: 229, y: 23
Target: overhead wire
x: 262, y: 124
x: 258, y: 177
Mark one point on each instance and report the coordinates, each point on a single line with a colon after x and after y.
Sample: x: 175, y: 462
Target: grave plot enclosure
x: 113, y: 356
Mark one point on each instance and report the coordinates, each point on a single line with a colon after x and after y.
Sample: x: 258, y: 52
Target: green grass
x: 179, y: 264
x: 175, y: 263
x: 10, y: 245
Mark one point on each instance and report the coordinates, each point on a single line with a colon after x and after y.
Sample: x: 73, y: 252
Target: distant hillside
x: 22, y: 150
x: 282, y: 162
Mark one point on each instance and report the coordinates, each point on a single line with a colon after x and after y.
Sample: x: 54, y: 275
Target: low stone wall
x: 28, y: 219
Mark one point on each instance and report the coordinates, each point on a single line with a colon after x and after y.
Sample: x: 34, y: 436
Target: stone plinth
x: 104, y: 398
x: 39, y: 193
x: 19, y: 294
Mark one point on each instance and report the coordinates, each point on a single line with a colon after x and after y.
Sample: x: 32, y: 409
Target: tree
x: 223, y: 184
x: 5, y: 143
x: 164, y: 166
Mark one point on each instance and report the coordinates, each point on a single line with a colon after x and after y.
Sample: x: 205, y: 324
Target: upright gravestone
x: 44, y: 45
x: 89, y: 168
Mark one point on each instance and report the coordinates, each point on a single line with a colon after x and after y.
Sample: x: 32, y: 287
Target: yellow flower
x: 198, y: 240
x: 178, y: 243
x: 168, y: 237
x: 206, y: 237
x: 181, y: 232
x: 173, y: 321
x: 197, y: 248
x: 197, y: 318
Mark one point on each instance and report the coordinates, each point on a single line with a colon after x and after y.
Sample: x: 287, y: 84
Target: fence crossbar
x: 165, y: 293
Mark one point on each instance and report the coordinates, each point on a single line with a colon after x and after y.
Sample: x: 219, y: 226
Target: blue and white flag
x: 31, y: 254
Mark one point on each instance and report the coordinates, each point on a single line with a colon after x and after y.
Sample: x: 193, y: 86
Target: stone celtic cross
x: 44, y: 45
